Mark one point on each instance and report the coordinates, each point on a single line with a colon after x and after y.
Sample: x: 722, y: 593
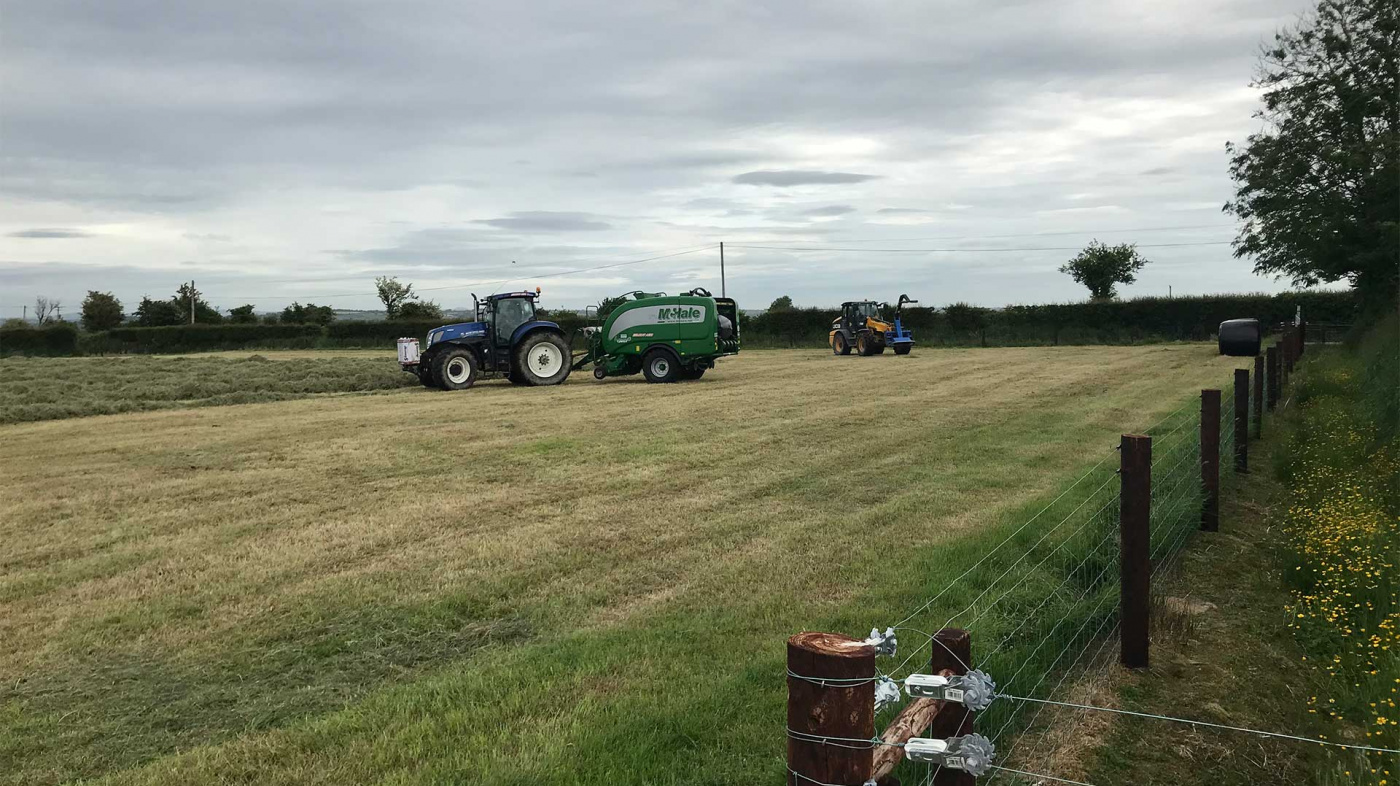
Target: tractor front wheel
x: 658, y: 365
x: 454, y: 369
x: 425, y: 374
x: 543, y: 359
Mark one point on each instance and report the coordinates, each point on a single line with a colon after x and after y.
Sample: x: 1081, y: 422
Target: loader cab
x: 854, y: 314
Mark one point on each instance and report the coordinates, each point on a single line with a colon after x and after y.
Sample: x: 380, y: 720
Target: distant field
x: 584, y: 584
x: 49, y: 388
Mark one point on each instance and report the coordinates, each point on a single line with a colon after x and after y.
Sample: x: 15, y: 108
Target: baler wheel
x: 658, y: 365
x: 692, y: 373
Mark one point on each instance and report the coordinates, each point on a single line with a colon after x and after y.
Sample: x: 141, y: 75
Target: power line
x: 1021, y: 234
x: 973, y: 250
x: 1278, y: 735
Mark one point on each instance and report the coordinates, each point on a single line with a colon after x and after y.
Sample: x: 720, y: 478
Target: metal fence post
x: 1135, y: 569
x: 1241, y: 420
x: 1210, y: 459
x: 844, y: 707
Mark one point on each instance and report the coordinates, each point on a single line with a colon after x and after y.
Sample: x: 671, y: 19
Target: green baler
x: 664, y: 337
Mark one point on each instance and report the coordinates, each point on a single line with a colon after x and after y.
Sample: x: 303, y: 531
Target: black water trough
x: 1240, y: 337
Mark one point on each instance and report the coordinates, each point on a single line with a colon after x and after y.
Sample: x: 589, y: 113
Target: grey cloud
x: 829, y: 211
x: 799, y: 177
x: 50, y: 233
x: 545, y: 221
x: 1159, y: 170
x: 894, y: 211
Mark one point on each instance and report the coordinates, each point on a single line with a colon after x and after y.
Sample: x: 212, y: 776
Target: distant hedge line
x: 1127, y: 321
x: 1123, y: 321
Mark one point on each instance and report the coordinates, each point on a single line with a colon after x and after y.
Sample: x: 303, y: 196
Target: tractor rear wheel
x: 902, y: 349
x: 455, y: 369
x: 542, y: 359
x: 839, y: 345
x: 658, y: 365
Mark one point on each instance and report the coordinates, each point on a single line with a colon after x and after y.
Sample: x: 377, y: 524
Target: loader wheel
x: 454, y: 369
x: 839, y: 346
x: 543, y: 359
x: 902, y: 349
x: 863, y: 345
x: 660, y: 366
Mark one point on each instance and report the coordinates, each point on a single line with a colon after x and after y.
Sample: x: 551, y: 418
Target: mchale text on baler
x: 505, y: 341
x: 665, y: 337
x: 861, y: 326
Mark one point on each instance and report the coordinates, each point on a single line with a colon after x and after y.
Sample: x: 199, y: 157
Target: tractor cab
x: 505, y: 313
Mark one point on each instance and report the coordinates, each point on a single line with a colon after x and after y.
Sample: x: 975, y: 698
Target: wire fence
x: 1044, y: 605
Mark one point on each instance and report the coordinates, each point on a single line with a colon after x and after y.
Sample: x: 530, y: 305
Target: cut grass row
x: 574, y: 585
x: 50, y: 388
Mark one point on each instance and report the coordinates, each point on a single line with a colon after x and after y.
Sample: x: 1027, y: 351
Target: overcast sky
x: 284, y: 150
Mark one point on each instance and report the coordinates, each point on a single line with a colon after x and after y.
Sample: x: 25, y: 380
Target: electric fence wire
x: 1188, y: 722
x: 1039, y: 775
x: 1010, y: 568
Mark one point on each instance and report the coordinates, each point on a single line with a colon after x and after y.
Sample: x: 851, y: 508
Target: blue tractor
x: 505, y: 341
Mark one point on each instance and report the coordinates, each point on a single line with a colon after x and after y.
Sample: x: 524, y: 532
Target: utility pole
x: 721, y: 269
x: 26, y: 314
x: 191, y: 301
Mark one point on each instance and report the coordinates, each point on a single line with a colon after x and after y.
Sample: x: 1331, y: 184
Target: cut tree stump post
x: 1302, y: 337
x: 952, y: 654
x: 843, y: 708
x: 1135, y: 570
x: 1241, y: 420
x: 1210, y: 460
x: 1258, y: 396
x: 1272, y: 362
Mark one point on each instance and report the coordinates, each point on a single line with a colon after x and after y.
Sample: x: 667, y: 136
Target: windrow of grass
x: 584, y: 584
x: 34, y: 388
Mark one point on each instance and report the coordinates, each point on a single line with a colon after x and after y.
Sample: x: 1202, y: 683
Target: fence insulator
x: 886, y: 693
x: 884, y: 643
x: 971, y: 754
x: 973, y: 690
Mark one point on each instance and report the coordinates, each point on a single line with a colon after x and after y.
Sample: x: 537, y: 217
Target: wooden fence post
x: 1241, y: 420
x: 1135, y: 569
x: 952, y: 653
x: 1302, y: 337
x: 843, y: 708
x: 1210, y: 459
x: 1272, y: 355
x: 1258, y: 396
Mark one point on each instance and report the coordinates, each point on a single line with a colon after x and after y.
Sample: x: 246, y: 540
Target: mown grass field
x: 584, y: 584
x: 33, y: 388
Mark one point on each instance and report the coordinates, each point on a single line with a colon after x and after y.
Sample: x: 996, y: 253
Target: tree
x: 1318, y: 188
x: 393, y: 295
x: 422, y: 310
x: 46, y: 312
x: 158, y: 313
x: 101, y: 311
x: 242, y: 315
x: 1101, y: 268
x: 782, y: 303
x: 964, y: 317
x: 203, y: 312
x: 309, y: 314
x: 608, y: 304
